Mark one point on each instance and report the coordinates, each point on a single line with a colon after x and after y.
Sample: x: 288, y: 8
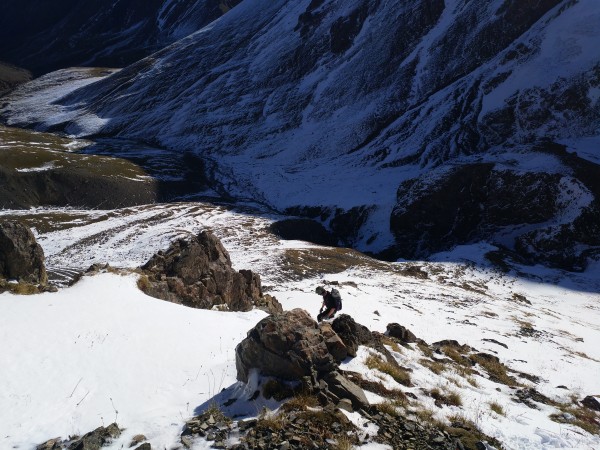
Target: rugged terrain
x: 151, y: 366
x: 290, y: 103
x: 457, y: 139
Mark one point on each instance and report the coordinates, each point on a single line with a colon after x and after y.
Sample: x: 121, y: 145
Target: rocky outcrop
x: 488, y: 202
x: 591, y: 402
x: 401, y: 333
x: 289, y: 346
x: 292, y: 346
x: 351, y: 333
x: 21, y: 257
x: 343, y: 388
x: 197, y: 272
x: 334, y: 343
x: 94, y: 440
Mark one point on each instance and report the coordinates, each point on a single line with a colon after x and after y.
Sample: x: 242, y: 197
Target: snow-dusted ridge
x: 74, y: 358
x: 334, y: 105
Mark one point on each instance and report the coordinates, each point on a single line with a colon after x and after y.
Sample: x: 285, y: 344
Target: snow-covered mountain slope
x: 102, y: 351
x: 338, y: 110
x: 44, y: 36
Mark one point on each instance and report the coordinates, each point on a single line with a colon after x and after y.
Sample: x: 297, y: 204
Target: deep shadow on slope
x: 45, y: 36
x: 40, y: 169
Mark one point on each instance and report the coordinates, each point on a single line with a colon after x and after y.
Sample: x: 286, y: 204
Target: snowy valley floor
x: 102, y: 351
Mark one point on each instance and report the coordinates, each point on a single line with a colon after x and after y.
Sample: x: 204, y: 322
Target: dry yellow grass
x: 397, y: 373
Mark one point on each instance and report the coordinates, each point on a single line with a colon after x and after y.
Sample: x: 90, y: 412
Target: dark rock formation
x: 197, y: 272
x: 289, y: 346
x: 144, y: 446
x: 303, y: 230
x: 591, y: 402
x: 21, y: 257
x: 334, y: 343
x: 401, y: 333
x: 343, y: 388
x: 470, y: 202
x: 352, y: 334
x: 269, y: 304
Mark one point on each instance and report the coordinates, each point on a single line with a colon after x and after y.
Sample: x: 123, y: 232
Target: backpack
x: 337, y: 297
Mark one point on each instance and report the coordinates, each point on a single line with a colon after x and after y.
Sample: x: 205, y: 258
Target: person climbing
x: 332, y: 303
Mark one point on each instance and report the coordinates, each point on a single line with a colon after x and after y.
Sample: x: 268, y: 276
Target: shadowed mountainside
x: 45, y: 36
x: 359, y: 114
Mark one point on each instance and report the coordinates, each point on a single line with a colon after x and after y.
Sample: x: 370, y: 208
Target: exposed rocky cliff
x: 374, y: 112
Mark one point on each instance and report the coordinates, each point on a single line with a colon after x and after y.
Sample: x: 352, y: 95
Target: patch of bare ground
x: 298, y: 264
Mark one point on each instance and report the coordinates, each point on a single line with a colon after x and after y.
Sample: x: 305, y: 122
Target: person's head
x: 320, y: 290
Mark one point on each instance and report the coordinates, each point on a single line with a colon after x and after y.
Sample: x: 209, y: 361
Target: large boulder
x: 21, y: 257
x: 289, y: 346
x: 197, y: 272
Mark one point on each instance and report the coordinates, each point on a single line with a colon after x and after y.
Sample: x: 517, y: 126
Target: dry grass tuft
x: 343, y: 442
x: 436, y: 367
x: 456, y: 356
x: 497, y: 408
x: 400, y: 375
x: 473, y: 382
x: 301, y: 402
x: 392, y: 344
x: 143, y: 283
x: 451, y: 398
x: 20, y: 288
x: 495, y: 369
x: 387, y: 407
x: 268, y: 420
x: 215, y: 410
x: 425, y: 349
x: 581, y: 417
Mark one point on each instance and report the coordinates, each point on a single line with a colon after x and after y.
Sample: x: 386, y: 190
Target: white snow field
x: 102, y: 351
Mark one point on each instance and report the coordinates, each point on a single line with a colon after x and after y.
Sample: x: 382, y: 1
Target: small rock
x: 401, y: 333
x: 139, y: 438
x: 344, y: 388
x: 51, y: 444
x: 187, y: 441
x: 345, y: 404
x: 144, y: 446
x: 591, y: 402
x: 285, y: 445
